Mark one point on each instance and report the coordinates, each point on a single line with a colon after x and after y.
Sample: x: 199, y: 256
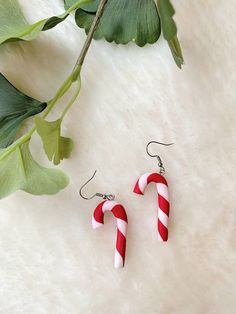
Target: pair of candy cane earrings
x: 109, y: 204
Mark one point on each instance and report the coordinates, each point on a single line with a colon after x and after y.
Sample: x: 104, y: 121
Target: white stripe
x: 108, y: 206
x: 122, y: 226
x: 142, y: 182
x: 162, y: 190
x: 163, y: 218
x: 118, y: 260
x: 96, y: 224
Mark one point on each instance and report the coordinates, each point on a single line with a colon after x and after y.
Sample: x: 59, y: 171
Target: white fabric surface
x: 51, y: 261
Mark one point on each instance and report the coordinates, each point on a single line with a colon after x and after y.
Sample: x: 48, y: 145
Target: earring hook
x: 160, y: 163
x: 108, y: 197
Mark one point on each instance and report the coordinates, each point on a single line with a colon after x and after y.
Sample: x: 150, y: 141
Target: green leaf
x: 91, y: 7
x: 176, y: 51
x: 123, y: 21
x: 15, y: 107
x: 167, y: 12
x: 14, y: 27
x: 69, y: 3
x: 19, y: 171
x: 169, y: 29
x: 56, y: 146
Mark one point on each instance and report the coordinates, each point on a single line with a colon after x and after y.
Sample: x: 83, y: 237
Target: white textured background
x: 51, y: 261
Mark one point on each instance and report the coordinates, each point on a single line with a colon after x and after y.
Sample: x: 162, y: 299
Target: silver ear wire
x: 108, y: 197
x: 160, y: 163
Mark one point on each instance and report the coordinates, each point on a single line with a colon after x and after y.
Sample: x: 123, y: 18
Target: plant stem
x: 62, y: 90
x: 92, y: 30
x: 76, y: 94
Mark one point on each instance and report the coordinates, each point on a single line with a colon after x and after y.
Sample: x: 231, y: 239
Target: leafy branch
x: 26, y: 171
x: 14, y: 27
x: 120, y: 21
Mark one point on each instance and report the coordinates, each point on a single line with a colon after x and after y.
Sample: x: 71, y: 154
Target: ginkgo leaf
x: 91, y: 7
x: 69, y: 3
x: 123, y: 21
x: 19, y: 171
x: 14, y: 27
x: 15, y: 107
x: 169, y: 29
x: 56, y: 146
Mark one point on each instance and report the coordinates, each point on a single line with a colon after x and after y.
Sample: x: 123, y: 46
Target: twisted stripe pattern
x: 163, y: 200
x: 122, y: 223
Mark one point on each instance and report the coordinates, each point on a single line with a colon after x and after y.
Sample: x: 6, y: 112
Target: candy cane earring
x: 162, y: 191
x: 119, y: 212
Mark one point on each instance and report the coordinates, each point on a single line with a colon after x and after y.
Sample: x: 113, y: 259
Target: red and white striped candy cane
x: 122, y: 223
x: 163, y: 200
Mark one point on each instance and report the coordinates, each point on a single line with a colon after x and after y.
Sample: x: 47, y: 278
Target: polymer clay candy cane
x: 122, y: 223
x: 163, y: 200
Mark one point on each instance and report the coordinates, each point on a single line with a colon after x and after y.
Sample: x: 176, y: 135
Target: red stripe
x: 98, y: 213
x: 157, y: 178
x: 163, y: 231
x: 121, y: 244
x: 164, y: 204
x: 137, y: 189
x: 119, y: 212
